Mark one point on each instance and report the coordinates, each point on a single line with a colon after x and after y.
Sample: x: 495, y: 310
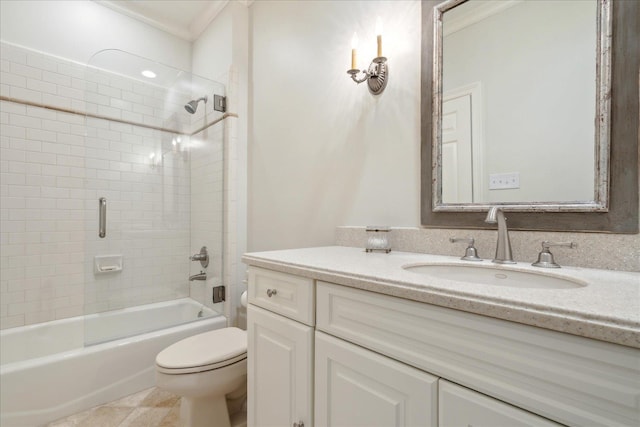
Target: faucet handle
x: 545, y: 257
x: 202, y: 256
x: 471, y: 253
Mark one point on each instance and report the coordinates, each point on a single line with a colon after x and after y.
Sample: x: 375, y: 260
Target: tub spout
x: 200, y: 276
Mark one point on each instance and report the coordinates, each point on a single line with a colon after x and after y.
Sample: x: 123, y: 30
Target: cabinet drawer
x: 461, y: 407
x: 566, y: 378
x: 282, y: 293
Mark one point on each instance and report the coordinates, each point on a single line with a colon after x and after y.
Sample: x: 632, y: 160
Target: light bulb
x: 354, y: 54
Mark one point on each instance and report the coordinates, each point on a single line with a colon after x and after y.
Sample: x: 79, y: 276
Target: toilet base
x: 204, y: 412
x: 237, y: 400
x: 239, y: 419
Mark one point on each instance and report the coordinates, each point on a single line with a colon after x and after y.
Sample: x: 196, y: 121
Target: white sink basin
x: 493, y: 275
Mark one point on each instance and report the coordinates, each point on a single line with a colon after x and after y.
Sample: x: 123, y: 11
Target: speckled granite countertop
x: 607, y: 308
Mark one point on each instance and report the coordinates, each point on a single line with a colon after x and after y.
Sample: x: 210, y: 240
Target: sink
x: 494, y: 276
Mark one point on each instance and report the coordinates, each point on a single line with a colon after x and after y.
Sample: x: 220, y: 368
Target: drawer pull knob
x: 270, y: 293
x: 300, y: 424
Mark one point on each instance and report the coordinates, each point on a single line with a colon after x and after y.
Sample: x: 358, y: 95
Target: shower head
x: 192, y: 106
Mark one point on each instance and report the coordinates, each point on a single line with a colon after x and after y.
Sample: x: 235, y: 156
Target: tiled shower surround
x: 55, y: 166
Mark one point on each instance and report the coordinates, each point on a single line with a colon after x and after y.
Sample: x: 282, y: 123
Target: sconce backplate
x: 379, y: 75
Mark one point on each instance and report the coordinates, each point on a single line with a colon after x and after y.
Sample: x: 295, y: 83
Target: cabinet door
x: 462, y: 407
x: 280, y: 365
x: 357, y: 387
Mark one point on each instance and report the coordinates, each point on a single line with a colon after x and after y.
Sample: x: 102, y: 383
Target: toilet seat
x: 204, y: 352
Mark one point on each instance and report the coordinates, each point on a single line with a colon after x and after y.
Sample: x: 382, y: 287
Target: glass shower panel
x: 154, y: 179
x: 207, y: 210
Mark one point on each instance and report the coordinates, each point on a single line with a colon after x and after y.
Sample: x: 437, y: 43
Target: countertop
x: 606, y: 309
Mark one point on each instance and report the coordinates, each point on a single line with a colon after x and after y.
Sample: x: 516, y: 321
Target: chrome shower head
x: 192, y: 106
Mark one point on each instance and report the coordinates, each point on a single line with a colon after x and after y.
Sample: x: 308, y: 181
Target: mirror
x: 475, y: 54
x: 504, y: 68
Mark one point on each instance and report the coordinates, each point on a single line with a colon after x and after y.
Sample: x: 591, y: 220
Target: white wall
x: 77, y: 29
x: 212, y: 51
x: 323, y: 151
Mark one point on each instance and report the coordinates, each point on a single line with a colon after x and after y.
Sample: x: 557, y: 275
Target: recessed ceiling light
x: 149, y: 74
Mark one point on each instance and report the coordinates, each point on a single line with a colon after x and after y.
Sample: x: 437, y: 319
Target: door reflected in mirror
x: 522, y: 114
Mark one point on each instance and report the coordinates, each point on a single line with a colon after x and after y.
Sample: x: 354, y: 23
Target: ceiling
x: 183, y: 18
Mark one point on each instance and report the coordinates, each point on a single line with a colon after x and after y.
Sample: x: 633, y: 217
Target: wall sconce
x: 377, y: 74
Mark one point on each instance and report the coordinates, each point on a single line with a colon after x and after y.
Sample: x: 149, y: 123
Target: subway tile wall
x: 207, y: 206
x: 231, y: 260
x: 55, y: 165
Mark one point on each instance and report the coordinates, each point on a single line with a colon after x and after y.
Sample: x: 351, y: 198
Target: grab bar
x: 102, y: 222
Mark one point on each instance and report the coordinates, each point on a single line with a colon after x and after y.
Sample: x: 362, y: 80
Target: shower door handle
x: 102, y: 221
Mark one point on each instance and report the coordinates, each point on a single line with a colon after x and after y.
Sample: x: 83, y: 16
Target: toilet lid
x: 204, y: 351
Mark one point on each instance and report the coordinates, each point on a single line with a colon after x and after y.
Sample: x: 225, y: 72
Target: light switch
x: 503, y: 181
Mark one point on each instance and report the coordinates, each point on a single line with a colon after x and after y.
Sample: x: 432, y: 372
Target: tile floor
x: 149, y: 408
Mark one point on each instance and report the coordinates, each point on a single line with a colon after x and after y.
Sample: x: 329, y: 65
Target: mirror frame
x: 622, y: 183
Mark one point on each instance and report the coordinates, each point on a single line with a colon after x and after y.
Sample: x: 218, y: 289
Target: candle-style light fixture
x: 377, y: 74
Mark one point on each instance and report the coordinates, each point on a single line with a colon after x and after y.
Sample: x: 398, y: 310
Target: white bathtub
x: 47, y: 373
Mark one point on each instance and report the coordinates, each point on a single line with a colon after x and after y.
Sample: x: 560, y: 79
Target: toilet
x: 209, y: 372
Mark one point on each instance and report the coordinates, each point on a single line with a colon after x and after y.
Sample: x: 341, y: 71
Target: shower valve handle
x: 202, y: 256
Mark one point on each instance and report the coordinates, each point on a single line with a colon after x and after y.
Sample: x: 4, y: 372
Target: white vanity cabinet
x: 370, y: 359
x: 280, y: 350
x: 565, y: 378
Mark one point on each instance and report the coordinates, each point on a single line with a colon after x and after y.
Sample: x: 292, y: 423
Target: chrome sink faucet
x: 503, y: 245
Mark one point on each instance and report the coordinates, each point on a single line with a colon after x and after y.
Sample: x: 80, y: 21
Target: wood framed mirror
x: 615, y: 210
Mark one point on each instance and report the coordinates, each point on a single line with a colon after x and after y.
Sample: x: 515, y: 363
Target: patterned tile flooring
x: 149, y: 408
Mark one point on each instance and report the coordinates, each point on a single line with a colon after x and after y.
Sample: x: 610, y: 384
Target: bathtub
x: 47, y: 372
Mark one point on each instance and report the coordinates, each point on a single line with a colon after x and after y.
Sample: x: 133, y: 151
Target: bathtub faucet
x: 200, y: 276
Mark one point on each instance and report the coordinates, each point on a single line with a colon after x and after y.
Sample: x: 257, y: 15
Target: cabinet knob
x: 298, y: 424
x: 270, y: 293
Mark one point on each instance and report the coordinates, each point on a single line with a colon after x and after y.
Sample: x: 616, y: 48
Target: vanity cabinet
x: 376, y: 355
x: 279, y: 350
x: 357, y: 387
x: 565, y: 378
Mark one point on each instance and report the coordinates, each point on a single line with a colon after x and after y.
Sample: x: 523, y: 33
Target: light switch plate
x: 503, y: 181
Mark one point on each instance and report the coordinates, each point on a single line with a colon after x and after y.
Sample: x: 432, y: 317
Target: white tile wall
x: 232, y: 258
x: 42, y: 229
x: 207, y: 206
x: 55, y: 165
